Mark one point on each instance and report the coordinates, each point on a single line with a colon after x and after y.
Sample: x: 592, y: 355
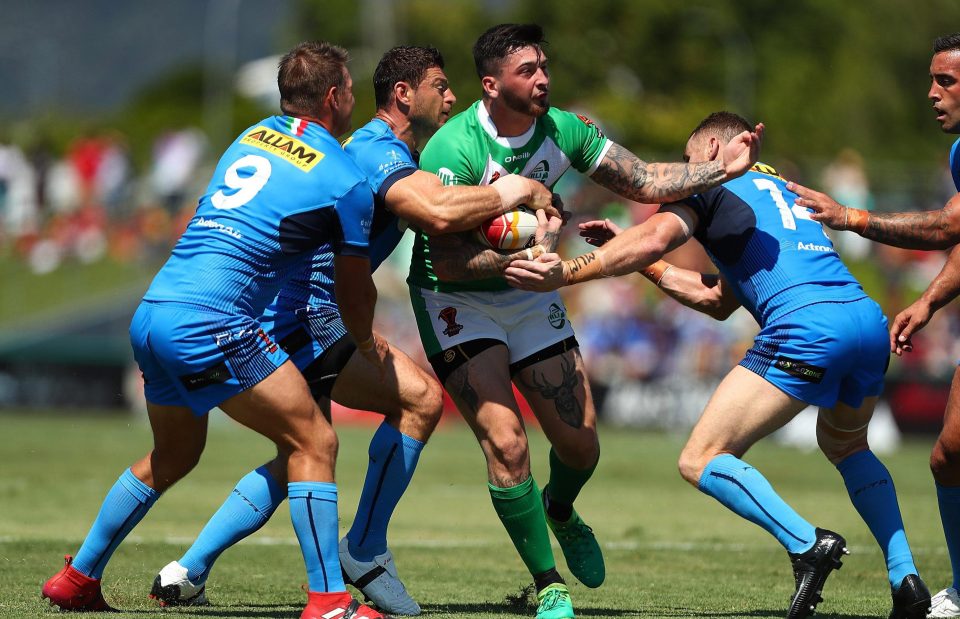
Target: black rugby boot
x: 810, y: 571
x: 911, y: 600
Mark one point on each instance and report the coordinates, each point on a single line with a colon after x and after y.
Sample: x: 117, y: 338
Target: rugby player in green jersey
x: 480, y: 335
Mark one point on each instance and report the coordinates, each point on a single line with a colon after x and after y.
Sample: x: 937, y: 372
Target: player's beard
x: 529, y: 107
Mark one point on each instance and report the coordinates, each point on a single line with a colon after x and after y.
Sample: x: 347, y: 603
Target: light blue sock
x: 742, y: 489
x: 248, y: 508
x: 949, y: 499
x: 872, y: 493
x: 313, y: 509
x: 393, y: 459
x: 124, y: 507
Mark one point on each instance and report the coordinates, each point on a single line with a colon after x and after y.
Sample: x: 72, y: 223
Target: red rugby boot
x: 340, y: 605
x: 71, y: 590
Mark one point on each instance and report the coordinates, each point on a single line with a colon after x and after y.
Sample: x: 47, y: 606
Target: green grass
x: 72, y: 284
x: 670, y: 551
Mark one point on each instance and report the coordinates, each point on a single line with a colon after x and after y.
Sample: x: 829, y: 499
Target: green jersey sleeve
x: 587, y: 144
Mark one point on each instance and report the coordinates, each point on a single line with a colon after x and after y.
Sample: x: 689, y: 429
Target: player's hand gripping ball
x: 514, y: 230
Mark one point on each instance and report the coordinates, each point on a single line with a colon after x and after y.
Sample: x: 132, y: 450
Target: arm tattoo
x: 563, y: 395
x: 624, y: 173
x: 581, y: 262
x: 458, y: 257
x: 921, y: 230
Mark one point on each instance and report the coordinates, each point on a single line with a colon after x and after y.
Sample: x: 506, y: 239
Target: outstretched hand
x: 740, y: 153
x: 541, y: 275
x: 598, y: 232
x: 823, y: 208
x: 906, y: 323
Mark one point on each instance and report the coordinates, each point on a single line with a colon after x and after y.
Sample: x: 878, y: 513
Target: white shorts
x: 527, y: 322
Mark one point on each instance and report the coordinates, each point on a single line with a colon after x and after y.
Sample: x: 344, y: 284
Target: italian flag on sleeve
x: 296, y: 126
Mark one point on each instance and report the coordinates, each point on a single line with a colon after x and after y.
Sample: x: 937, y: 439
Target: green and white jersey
x: 468, y: 151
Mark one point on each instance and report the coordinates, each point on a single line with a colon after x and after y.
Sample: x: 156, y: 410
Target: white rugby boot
x: 172, y: 588
x: 945, y: 604
x: 378, y: 580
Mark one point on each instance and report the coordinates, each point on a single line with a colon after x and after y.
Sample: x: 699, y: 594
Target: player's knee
x: 509, y: 449
x: 427, y: 404
x: 691, y: 464
x: 945, y: 462
x: 837, y: 444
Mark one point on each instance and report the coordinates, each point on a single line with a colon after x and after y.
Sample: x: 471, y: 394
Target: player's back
x: 282, y: 189
x: 383, y: 159
x: 774, y: 255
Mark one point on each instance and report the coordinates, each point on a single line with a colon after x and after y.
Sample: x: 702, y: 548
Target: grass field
x: 670, y: 551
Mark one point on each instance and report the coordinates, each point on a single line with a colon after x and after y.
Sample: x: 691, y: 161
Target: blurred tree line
x: 823, y: 75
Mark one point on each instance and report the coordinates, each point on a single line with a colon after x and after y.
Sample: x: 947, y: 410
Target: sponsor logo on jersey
x: 763, y: 168
x: 449, y: 316
x: 801, y: 246
x: 805, y: 371
x: 541, y: 172
x: 447, y: 177
x: 519, y: 157
x: 557, y: 316
x: 287, y: 148
x: 590, y: 123
x: 203, y: 222
x: 394, y: 161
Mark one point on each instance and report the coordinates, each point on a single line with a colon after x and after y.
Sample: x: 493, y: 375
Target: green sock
x: 565, y: 482
x: 521, y: 512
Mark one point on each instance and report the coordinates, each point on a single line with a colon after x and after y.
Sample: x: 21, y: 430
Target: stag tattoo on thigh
x: 564, y: 395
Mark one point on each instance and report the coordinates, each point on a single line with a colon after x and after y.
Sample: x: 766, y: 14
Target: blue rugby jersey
x: 776, y: 258
x: 385, y: 159
x: 955, y: 163
x: 283, y: 188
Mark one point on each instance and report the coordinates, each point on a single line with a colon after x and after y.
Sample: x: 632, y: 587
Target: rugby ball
x: 514, y: 230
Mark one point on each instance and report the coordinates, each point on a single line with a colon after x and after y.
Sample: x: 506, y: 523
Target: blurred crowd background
x: 114, y: 114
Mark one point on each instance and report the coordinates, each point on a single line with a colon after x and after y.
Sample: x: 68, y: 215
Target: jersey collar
x: 513, y: 142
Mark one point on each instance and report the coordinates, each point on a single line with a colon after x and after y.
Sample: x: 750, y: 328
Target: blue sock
x: 313, y: 509
x: 872, y: 493
x: 247, y: 509
x: 124, y: 507
x: 949, y: 499
x: 742, y: 489
x: 393, y: 459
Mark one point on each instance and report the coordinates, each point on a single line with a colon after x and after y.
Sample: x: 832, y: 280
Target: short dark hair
x: 725, y: 125
x: 405, y: 63
x: 946, y: 43
x: 500, y: 41
x: 307, y: 72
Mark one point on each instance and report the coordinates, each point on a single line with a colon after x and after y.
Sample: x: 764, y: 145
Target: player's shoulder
x: 566, y: 121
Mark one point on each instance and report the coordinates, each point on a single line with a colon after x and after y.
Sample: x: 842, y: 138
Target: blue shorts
x: 825, y: 353
x: 194, y: 357
x: 316, y: 340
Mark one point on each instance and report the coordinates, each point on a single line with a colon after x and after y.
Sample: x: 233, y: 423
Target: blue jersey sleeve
x: 355, y: 212
x: 955, y: 164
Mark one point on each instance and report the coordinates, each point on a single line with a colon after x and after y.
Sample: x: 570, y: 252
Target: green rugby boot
x: 580, y: 549
x: 554, y: 603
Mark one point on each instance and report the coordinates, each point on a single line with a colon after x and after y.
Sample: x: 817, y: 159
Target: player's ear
x: 402, y: 92
x: 713, y: 148
x: 491, y: 87
x: 330, y: 99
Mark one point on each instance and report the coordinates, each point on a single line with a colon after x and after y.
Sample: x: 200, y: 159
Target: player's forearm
x: 471, y: 261
x: 945, y: 287
x: 459, y: 208
x: 626, y: 174
x: 700, y: 291
x: 357, y: 301
x: 938, y: 229
x: 629, y: 251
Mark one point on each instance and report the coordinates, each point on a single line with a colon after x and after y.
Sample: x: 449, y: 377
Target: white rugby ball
x: 514, y: 230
